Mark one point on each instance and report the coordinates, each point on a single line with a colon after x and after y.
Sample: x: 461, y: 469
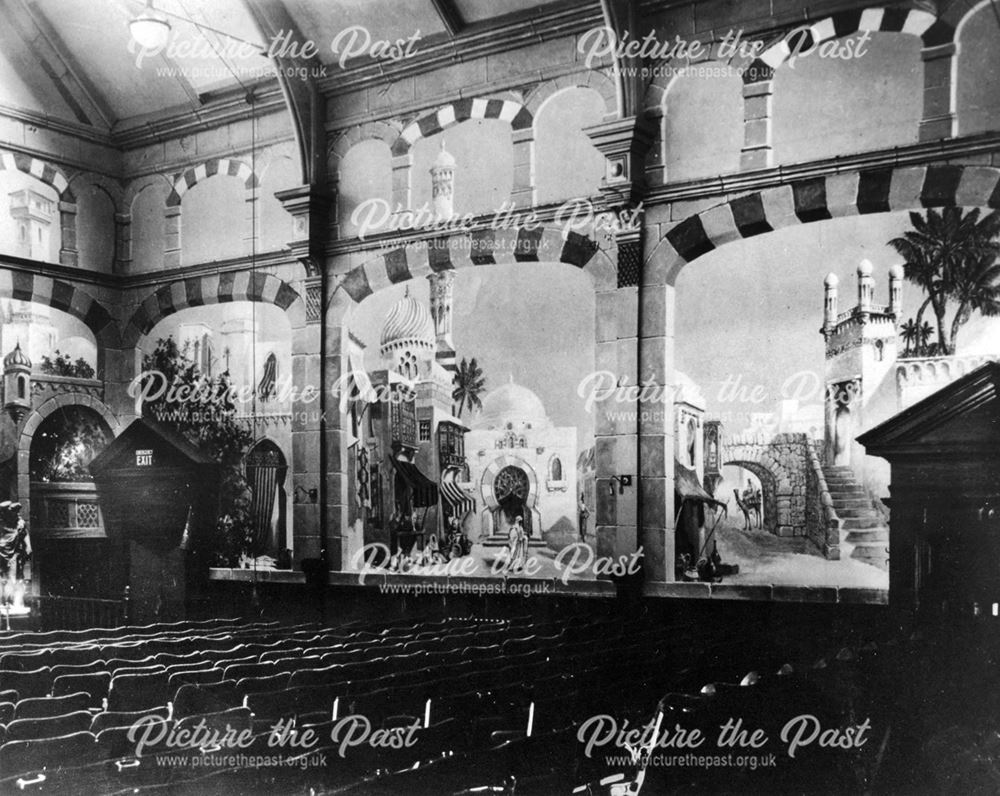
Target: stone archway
x: 500, y: 482
x: 769, y: 488
x: 780, y: 462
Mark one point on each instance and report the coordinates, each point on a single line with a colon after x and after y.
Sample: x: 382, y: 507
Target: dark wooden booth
x: 944, y: 538
x: 159, y: 497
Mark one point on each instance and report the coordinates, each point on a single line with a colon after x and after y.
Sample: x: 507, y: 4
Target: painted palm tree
x: 939, y: 253
x: 976, y: 287
x: 469, y: 385
x: 910, y: 333
x: 924, y: 333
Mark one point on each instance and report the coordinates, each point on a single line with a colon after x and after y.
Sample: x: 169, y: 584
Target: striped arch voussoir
x: 46, y: 172
x: 481, y: 247
x: 216, y: 289
x: 225, y: 166
x: 515, y: 113
x: 63, y: 296
x: 861, y: 193
x: 912, y: 21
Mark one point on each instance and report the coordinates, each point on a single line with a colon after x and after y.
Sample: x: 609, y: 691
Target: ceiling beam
x: 450, y: 16
x: 58, y: 63
x: 297, y: 78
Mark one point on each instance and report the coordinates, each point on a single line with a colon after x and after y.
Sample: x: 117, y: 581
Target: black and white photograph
x: 455, y: 397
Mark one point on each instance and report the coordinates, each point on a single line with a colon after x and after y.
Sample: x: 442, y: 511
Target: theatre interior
x: 595, y: 397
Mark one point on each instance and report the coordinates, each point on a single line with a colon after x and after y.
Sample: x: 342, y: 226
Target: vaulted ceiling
x: 75, y: 61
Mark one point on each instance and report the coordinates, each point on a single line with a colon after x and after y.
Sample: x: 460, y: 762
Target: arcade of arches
x: 162, y: 203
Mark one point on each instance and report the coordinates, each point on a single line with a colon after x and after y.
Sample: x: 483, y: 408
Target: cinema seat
x: 43, y: 707
x: 137, y: 691
x: 50, y: 727
x: 104, y: 720
x: 23, y: 758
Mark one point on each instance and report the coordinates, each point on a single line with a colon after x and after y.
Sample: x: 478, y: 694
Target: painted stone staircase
x: 864, y: 534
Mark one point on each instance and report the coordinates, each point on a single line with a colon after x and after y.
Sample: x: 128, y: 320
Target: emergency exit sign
x: 144, y: 458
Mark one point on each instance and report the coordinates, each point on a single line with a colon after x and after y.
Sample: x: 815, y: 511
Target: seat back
x: 25, y: 757
x: 95, y: 685
x: 108, y: 718
x: 137, y: 691
x: 44, y: 707
x: 50, y: 727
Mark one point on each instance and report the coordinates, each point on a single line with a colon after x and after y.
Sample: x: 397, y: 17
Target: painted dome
x: 16, y: 358
x: 512, y: 403
x: 408, y: 323
x: 444, y: 159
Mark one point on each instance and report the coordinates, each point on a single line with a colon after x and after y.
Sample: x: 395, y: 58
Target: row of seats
x: 491, y: 700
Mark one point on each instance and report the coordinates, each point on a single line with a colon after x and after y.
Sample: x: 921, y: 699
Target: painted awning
x: 460, y: 500
x: 686, y: 485
x: 424, y: 491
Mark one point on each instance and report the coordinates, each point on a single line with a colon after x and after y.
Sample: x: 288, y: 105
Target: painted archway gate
x: 780, y: 462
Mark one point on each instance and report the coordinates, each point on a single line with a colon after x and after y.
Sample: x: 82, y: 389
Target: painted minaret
x: 443, y: 184
x: 442, y: 296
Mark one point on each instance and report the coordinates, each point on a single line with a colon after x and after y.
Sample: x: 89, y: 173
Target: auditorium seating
x: 495, y: 702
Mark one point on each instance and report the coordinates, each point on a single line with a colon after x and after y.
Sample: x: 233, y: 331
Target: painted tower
x: 33, y: 213
x: 16, y: 383
x: 442, y: 297
x: 443, y: 184
x: 861, y: 351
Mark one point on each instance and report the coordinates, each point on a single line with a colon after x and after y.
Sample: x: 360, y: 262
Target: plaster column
x: 757, y: 152
x: 172, y: 240
x: 523, y: 192
x: 938, y: 120
x: 68, y: 254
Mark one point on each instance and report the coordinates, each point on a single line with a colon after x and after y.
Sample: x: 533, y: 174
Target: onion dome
x: 831, y: 280
x: 408, y: 323
x: 16, y: 359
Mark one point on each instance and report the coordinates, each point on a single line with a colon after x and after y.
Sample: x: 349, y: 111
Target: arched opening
x: 365, y: 173
x: 214, y: 220
x: 753, y: 491
x: 976, y: 85
x: 30, y: 224
x: 516, y: 405
x: 266, y: 470
x: 567, y: 164
x: 703, y: 125
x: 148, y: 230
x: 482, y: 184
x: 67, y: 530
x: 511, y: 489
x: 883, y: 90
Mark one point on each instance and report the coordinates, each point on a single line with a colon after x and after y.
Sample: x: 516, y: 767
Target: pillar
x: 252, y: 223
x: 172, y: 239
x: 68, y: 254
x: 401, y: 191
x: 656, y: 429
x: 938, y: 120
x: 123, y: 242
x: 616, y: 450
x: 334, y: 431
x: 306, y: 474
x: 523, y: 192
x: 757, y: 152
x: 118, y: 368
